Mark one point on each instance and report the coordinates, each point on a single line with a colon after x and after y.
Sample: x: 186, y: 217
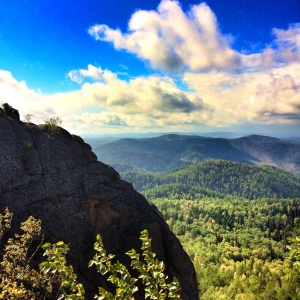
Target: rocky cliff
x: 57, y: 178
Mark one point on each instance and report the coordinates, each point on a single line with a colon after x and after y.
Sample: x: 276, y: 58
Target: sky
x: 111, y: 67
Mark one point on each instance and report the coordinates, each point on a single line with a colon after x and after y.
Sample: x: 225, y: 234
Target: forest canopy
x: 240, y: 248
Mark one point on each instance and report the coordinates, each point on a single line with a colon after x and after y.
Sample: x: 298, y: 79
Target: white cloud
x: 284, y: 50
x: 288, y: 43
x: 110, y: 103
x: 265, y: 90
x: 92, y: 72
x: 20, y: 96
x: 263, y: 97
x: 137, y: 96
x: 171, y: 39
x: 215, y: 99
x: 174, y: 40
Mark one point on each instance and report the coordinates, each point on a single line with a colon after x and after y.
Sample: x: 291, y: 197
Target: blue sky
x: 138, y: 66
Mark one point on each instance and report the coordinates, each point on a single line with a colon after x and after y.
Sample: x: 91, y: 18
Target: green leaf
x: 43, y: 264
x: 46, y: 246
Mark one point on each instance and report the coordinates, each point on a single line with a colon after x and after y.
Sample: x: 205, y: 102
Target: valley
x: 233, y: 203
x: 241, y: 249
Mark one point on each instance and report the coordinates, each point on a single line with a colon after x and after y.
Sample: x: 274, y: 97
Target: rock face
x: 57, y: 178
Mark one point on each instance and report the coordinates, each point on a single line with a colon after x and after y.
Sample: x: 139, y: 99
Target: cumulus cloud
x: 265, y: 90
x: 20, y: 96
x: 141, y: 103
x: 193, y: 40
x: 92, y: 72
x: 139, y: 95
x: 215, y: 99
x: 279, y: 98
x: 284, y: 49
x: 288, y: 43
x: 261, y: 97
x: 110, y: 103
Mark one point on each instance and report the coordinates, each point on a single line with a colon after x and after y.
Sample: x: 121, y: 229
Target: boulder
x: 9, y: 111
x: 58, y: 179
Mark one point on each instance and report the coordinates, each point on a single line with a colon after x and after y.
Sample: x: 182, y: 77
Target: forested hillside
x: 240, y: 248
x: 217, y: 178
x: 171, y: 152
x: 234, y: 216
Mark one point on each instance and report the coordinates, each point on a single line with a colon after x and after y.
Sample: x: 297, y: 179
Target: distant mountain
x: 271, y: 151
x: 172, y: 152
x: 217, y: 178
x: 99, y: 142
x: 295, y: 140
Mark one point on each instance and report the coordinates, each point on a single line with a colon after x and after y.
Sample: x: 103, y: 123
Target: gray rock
x: 57, y: 178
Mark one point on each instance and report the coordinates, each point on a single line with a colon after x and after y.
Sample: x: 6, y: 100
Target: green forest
x: 217, y: 178
x: 238, y: 223
x: 241, y: 249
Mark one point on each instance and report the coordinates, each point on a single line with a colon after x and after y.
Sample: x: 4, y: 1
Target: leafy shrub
x: 18, y: 280
x: 151, y: 272
x: 56, y: 265
x: 54, y: 124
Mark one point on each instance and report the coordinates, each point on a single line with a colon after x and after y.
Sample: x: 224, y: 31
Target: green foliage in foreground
x: 240, y: 248
x: 57, y: 280
x: 17, y: 279
x: 151, y: 272
x: 56, y: 265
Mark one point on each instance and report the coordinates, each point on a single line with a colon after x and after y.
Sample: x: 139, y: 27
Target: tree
x: 17, y: 279
x: 28, y: 118
x: 294, y: 248
x: 53, y: 124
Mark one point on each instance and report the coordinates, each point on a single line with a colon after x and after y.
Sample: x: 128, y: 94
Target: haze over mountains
x: 171, y: 152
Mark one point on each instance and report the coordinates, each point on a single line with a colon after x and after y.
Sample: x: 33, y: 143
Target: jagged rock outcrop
x: 58, y: 179
x: 9, y: 111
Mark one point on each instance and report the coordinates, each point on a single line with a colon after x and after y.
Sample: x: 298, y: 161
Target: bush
x: 18, y: 280
x: 54, y: 124
x: 151, y: 272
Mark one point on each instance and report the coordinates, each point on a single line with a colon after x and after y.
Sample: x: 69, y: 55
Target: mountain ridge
x: 171, y: 152
x: 217, y: 178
